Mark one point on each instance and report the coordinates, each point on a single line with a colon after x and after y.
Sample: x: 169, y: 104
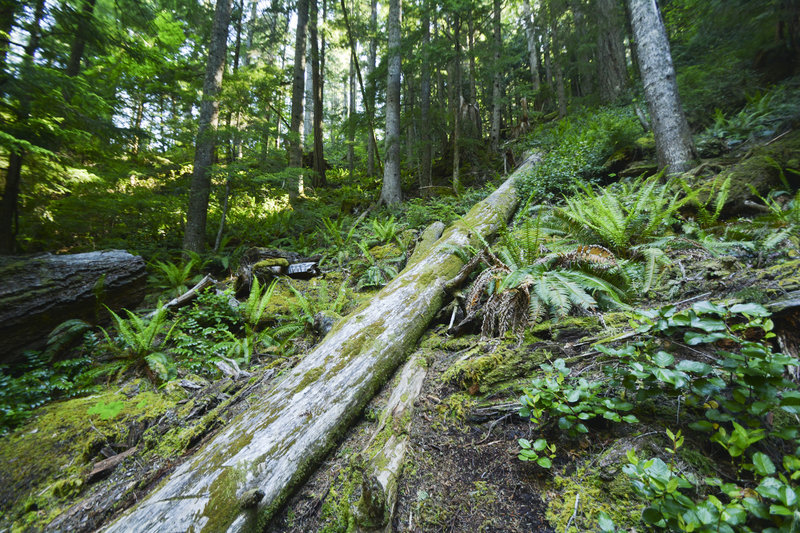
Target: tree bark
x: 274, y: 445
x: 497, y: 92
x: 612, y: 70
x: 533, y: 49
x: 9, y: 225
x: 351, y: 123
x: 298, y: 90
x: 457, y: 100
x: 40, y: 292
x: 316, y: 82
x: 674, y: 145
x: 194, y: 238
x: 8, y: 12
x: 391, y: 194
x: 82, y: 31
x: 425, y: 101
x: 373, y: 53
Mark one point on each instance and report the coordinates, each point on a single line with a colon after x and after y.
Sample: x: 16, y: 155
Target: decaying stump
x: 39, y: 292
x: 274, y: 445
x: 266, y: 262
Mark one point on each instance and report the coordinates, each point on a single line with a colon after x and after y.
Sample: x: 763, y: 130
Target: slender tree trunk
x: 391, y: 193
x: 8, y: 12
x: 674, y: 146
x: 79, y: 41
x: 584, y: 81
x: 9, y: 215
x: 136, y: 124
x: 612, y: 71
x: 373, y: 53
x: 351, y: 117
x: 195, y: 235
x: 308, y: 107
x: 533, y: 49
x: 561, y: 93
x: 474, y: 112
x: 425, y: 101
x: 458, y: 101
x: 497, y: 109
x: 298, y: 92
x: 316, y: 80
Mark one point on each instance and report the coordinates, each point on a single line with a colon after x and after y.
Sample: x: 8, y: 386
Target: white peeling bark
x: 674, y: 146
x: 273, y: 446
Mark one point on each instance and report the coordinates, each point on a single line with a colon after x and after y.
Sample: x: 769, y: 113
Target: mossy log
x: 386, y: 450
x: 274, y: 445
x: 40, y: 292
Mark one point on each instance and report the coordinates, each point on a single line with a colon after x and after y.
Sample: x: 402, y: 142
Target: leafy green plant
x: 172, y: 277
x: 708, y: 201
x: 622, y: 217
x: 378, y: 273
x: 385, y: 230
x: 571, y: 402
x: 139, y: 339
x: 253, y: 308
x: 539, y: 451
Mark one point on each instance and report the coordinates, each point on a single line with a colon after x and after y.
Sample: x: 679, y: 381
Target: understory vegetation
x: 623, y: 356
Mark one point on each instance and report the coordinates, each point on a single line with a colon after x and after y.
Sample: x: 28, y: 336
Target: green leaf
x: 544, y: 462
x: 651, y: 515
x: 750, y: 309
x: 663, y: 359
x: 605, y: 523
x: 706, y: 307
x: 539, y: 445
x: 763, y: 464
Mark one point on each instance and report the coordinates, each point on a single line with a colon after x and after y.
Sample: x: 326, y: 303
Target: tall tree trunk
x: 497, y: 109
x: 674, y: 146
x: 195, y: 235
x: 316, y: 80
x: 308, y: 107
x: 584, y: 81
x: 391, y: 193
x: 136, y: 124
x: 457, y: 100
x: 9, y: 221
x: 561, y: 93
x: 79, y: 41
x: 351, y: 120
x: 425, y: 100
x: 533, y: 49
x: 298, y: 92
x: 612, y: 71
x: 475, y: 114
x: 8, y: 12
x: 372, y: 58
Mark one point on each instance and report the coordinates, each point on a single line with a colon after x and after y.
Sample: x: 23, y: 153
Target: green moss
x: 48, y: 456
x: 594, y: 496
x: 386, y: 251
x: 456, y: 406
x: 266, y: 263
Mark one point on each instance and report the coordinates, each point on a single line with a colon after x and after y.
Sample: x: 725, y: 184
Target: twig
x: 574, y: 513
x: 186, y: 296
x: 491, y: 427
x: 778, y: 137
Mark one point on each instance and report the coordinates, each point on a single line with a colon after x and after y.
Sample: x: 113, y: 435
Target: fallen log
x: 273, y: 446
x: 376, y: 506
x: 40, y: 292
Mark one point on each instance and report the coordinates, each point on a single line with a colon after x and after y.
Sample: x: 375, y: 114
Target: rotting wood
x: 384, y: 464
x: 39, y: 292
x: 187, y: 296
x: 275, y: 444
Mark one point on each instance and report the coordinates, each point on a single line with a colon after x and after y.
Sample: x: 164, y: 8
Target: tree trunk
x: 391, y: 193
x: 373, y: 53
x: 351, y: 120
x: 425, y: 101
x: 79, y: 41
x: 561, y: 93
x: 316, y: 81
x: 8, y: 12
x: 307, y: 137
x: 477, y: 127
x: 194, y: 238
x: 40, y: 292
x: 9, y: 225
x: 497, y: 92
x: 533, y: 49
x: 457, y: 100
x: 273, y: 446
x: 612, y: 71
x: 674, y: 146
x: 298, y: 90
